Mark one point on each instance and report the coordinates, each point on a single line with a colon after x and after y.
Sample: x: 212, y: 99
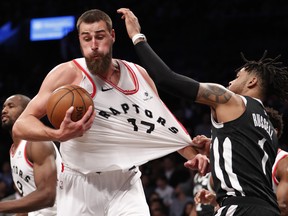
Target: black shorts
x: 246, y: 206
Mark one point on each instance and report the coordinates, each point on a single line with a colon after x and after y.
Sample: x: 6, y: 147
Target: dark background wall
x: 201, y: 39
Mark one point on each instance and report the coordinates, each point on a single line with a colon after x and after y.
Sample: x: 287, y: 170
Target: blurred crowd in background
x: 201, y: 39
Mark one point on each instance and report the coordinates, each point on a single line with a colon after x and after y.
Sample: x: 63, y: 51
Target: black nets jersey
x: 242, y: 155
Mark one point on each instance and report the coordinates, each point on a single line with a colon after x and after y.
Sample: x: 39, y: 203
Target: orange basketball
x: 63, y: 98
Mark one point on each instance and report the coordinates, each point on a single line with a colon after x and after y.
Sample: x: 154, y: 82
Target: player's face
x: 238, y: 85
x: 10, y: 112
x: 96, y: 46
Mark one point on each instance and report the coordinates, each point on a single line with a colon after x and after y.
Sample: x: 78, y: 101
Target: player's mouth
x: 4, y: 118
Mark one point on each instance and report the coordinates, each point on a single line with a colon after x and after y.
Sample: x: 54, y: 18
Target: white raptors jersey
x: 281, y: 154
x: 132, y: 124
x: 23, y: 177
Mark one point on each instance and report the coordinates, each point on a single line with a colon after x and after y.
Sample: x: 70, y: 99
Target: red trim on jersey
x: 126, y: 92
x: 275, y: 168
x: 25, y: 156
x: 89, y: 77
x: 134, y: 79
x: 12, y: 150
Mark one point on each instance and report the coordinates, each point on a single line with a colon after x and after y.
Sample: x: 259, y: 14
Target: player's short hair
x: 94, y: 15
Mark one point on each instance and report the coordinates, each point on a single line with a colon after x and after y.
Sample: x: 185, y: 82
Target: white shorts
x: 101, y: 194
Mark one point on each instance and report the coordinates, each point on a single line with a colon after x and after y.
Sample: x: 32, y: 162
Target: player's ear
x: 113, y: 35
x: 253, y: 80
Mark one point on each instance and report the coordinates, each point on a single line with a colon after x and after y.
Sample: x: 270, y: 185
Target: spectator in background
x: 169, y: 167
x: 173, y: 169
x: 204, y: 127
x: 158, y: 208
x: 179, y: 200
x: 6, y: 177
x: 164, y: 190
x: 148, y: 185
x: 188, y: 209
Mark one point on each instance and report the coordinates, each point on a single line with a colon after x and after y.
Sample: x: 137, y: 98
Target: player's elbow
x: 50, y: 198
x: 16, y: 131
x: 50, y: 202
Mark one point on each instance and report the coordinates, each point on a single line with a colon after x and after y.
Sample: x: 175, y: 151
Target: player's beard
x: 7, y: 125
x: 100, y: 65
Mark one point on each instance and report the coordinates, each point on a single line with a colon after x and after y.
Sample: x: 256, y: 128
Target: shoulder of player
x: 146, y: 76
x: 142, y: 71
x: 65, y: 73
x: 65, y: 67
x: 282, y: 169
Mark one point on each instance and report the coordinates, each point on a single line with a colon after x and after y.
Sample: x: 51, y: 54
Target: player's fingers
x: 201, y: 166
x: 197, y: 199
x: 88, y: 115
x: 69, y: 112
x: 123, y: 11
x: 191, y: 164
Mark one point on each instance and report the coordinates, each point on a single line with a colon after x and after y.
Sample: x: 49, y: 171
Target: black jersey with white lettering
x: 242, y: 155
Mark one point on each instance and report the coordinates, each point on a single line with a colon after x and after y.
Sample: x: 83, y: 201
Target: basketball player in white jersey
x: 129, y: 126
x: 34, y: 167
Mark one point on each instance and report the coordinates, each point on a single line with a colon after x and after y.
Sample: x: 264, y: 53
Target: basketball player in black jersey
x: 244, y: 143
x: 279, y: 171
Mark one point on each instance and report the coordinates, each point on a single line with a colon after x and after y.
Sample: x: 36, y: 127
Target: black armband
x: 163, y: 76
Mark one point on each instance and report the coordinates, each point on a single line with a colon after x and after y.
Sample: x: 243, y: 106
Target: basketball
x: 62, y: 99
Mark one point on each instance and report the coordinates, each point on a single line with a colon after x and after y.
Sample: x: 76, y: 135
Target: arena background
x: 201, y: 39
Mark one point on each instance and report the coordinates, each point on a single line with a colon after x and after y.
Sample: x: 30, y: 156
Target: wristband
x: 138, y: 36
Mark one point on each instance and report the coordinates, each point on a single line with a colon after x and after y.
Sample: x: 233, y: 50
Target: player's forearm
x: 27, y: 204
x: 34, y: 130
x: 12, y: 206
x: 188, y: 152
x: 163, y: 76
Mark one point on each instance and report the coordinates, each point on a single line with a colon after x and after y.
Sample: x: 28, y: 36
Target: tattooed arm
x: 225, y: 105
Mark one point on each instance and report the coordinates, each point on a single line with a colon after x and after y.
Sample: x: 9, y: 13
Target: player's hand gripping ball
x: 63, y: 98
